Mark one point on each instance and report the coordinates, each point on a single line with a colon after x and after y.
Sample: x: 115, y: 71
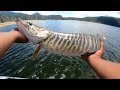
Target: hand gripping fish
x: 72, y: 44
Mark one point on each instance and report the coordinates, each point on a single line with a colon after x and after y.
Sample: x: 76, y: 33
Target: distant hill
x: 102, y: 19
x: 6, y: 16
x: 10, y: 16
x: 10, y: 13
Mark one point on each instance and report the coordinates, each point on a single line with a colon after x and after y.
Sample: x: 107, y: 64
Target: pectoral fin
x: 35, y: 54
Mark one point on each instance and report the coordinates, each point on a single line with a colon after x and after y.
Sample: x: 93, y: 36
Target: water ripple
x: 18, y: 60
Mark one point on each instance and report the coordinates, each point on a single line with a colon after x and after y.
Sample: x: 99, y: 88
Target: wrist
x: 15, y: 34
x: 93, y: 58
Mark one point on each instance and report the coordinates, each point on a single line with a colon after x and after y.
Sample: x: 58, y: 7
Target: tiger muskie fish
x: 73, y: 44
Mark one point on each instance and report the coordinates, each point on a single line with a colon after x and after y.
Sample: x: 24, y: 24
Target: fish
x: 70, y: 44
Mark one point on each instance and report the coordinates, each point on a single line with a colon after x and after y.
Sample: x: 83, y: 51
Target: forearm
x: 105, y: 69
x: 6, y: 40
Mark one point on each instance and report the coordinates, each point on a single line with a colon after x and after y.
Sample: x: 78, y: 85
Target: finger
x: 15, y: 29
x: 21, y: 38
x: 102, y: 47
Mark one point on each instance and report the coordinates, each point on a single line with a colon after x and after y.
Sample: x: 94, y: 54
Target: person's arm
x: 103, y: 68
x: 8, y: 38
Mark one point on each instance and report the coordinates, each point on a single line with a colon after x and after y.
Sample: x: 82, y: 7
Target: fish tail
x: 102, y: 38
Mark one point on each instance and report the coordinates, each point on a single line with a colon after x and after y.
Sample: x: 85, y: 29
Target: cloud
x: 95, y: 13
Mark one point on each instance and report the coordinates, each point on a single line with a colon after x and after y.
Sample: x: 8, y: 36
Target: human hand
x: 20, y: 37
x: 97, y: 55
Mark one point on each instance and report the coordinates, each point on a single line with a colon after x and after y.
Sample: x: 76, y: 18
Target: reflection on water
x: 18, y: 60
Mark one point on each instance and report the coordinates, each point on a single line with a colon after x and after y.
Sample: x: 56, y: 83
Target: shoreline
x: 6, y: 23
x: 9, y: 23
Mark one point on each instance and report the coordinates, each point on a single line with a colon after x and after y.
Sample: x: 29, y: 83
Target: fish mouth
x: 18, y: 20
x: 21, y: 23
x: 22, y: 26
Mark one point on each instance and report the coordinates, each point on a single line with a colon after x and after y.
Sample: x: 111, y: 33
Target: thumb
x: 100, y: 52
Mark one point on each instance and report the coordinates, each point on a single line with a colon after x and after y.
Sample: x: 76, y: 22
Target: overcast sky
x: 79, y: 14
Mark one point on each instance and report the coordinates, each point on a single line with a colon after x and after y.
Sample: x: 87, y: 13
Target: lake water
x: 18, y: 62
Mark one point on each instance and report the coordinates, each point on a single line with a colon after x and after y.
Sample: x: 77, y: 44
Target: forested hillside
x: 6, y: 16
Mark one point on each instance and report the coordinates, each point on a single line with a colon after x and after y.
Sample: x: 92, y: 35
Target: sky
x: 79, y: 14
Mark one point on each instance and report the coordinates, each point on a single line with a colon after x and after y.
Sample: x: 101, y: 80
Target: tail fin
x: 102, y: 38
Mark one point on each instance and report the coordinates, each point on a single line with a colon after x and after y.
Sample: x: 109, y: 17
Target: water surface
x: 18, y: 62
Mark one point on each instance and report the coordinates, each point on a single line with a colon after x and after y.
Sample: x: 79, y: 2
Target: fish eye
x: 29, y: 23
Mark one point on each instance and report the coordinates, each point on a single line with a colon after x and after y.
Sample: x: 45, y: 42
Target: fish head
x: 34, y: 33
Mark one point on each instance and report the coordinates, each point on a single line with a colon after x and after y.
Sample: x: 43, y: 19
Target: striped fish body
x: 74, y: 44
